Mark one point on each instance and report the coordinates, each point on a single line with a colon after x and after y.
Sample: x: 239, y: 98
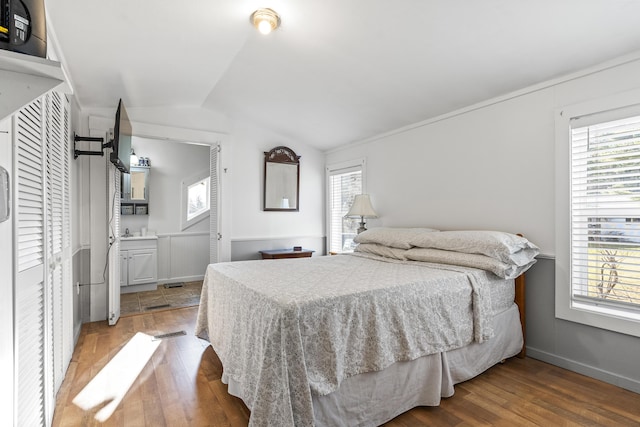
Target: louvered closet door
x: 214, y: 198
x: 67, y: 274
x: 30, y: 294
x: 58, y: 239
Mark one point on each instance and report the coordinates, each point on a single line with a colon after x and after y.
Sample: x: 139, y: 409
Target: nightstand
x: 286, y: 253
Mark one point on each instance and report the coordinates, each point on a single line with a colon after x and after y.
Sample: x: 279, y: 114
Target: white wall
x: 6, y: 283
x: 176, y: 118
x: 171, y: 163
x: 79, y: 189
x: 96, y: 214
x: 491, y: 167
x: 488, y: 169
x: 249, y: 220
x: 77, y: 186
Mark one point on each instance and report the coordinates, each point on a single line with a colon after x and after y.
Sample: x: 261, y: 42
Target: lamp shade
x: 362, y: 207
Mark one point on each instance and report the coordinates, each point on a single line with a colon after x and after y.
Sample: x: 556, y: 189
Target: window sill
x: 608, y: 318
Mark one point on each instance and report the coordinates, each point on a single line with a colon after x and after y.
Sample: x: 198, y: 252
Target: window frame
x: 184, y: 207
x: 336, y: 168
x: 566, y: 306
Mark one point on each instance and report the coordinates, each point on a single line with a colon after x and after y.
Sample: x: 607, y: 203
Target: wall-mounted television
x: 121, y: 154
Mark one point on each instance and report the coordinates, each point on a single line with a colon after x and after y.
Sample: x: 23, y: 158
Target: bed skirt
x: 374, y: 398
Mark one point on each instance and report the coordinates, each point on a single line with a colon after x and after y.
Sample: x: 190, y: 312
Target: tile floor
x: 164, y: 298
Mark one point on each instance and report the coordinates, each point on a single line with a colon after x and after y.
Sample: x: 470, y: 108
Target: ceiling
x: 336, y: 71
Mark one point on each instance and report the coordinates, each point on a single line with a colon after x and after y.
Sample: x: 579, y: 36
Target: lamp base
x: 362, y: 227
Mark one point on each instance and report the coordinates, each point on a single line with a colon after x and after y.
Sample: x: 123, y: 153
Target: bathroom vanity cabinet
x: 138, y: 261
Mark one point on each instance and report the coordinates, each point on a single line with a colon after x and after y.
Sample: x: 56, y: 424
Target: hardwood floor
x: 166, y: 297
x: 181, y: 386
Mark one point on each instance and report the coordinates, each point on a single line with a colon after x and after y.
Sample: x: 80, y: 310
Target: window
x: 195, y: 199
x: 345, y: 181
x: 603, y: 221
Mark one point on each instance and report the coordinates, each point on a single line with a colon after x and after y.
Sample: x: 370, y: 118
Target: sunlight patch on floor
x: 114, y: 380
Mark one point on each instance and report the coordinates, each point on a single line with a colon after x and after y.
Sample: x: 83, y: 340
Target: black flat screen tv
x: 121, y: 145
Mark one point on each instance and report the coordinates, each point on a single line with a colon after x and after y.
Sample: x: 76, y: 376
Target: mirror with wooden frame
x: 281, y: 180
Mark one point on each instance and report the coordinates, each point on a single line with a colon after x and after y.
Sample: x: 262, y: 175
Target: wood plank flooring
x: 181, y: 386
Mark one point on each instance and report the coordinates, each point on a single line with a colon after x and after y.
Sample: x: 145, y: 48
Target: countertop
x: 139, y: 238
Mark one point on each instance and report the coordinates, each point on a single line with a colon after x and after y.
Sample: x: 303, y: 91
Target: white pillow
x: 506, y: 247
x: 391, y: 236
x: 483, y: 262
x: 381, y: 250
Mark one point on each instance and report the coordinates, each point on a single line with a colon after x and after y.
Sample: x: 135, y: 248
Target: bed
x: 358, y: 339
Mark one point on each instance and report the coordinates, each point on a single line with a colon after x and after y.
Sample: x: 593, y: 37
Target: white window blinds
x: 344, y: 185
x: 605, y: 215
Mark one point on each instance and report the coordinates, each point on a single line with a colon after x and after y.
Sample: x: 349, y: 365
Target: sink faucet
x: 126, y: 232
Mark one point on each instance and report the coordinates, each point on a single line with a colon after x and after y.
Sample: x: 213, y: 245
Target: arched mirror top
x: 281, y: 180
x: 282, y: 154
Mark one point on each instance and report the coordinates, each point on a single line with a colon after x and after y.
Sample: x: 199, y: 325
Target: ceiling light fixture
x: 133, y: 158
x: 265, y: 20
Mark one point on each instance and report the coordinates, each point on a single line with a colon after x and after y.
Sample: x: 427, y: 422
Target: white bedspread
x: 286, y: 328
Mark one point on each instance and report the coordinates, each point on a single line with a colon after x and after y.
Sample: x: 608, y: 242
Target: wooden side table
x: 286, y: 253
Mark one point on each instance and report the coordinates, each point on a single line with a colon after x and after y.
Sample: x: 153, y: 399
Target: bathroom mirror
x: 281, y: 180
x: 135, y: 185
x: 138, y: 188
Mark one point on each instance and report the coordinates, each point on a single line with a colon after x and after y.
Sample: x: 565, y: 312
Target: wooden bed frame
x: 520, y: 301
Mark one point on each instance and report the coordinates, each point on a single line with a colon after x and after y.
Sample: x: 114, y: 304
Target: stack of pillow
x: 504, y: 254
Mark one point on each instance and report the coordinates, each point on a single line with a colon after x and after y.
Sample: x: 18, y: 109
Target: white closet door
x: 114, y: 250
x: 58, y: 237
x: 30, y: 295
x: 68, y: 286
x: 43, y: 324
x: 214, y: 194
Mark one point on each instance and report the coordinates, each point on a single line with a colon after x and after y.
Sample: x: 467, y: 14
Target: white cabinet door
x: 124, y: 270
x: 143, y: 266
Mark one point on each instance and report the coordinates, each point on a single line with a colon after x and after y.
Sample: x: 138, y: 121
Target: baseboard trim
x: 181, y: 279
x: 76, y: 334
x: 138, y: 288
x: 581, y: 368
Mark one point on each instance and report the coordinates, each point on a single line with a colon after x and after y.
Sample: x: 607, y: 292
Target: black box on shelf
x: 22, y: 27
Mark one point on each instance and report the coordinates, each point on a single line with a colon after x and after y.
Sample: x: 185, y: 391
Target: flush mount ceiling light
x: 265, y: 20
x: 133, y: 158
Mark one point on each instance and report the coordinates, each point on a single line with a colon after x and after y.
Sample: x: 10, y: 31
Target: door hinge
x: 112, y: 316
x: 219, y: 236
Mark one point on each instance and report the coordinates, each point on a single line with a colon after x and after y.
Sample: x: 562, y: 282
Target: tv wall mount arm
x: 103, y: 145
